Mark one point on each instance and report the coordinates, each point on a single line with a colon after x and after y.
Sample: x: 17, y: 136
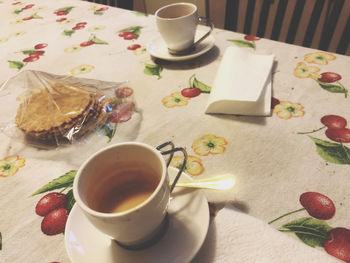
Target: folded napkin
x: 242, y: 84
x: 237, y: 237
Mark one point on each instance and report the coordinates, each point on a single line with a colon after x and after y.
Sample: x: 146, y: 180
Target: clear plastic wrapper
x: 46, y: 109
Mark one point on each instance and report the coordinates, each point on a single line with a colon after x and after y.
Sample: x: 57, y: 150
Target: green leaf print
x: 98, y: 41
x: 203, y: 87
x: 67, y: 9
x: 36, y: 16
x: 133, y: 29
x: 63, y: 181
x: 140, y: 14
x: 15, y: 64
x: 68, y: 32
x: 333, y: 88
x: 243, y: 43
x: 28, y: 51
x: 17, y: 11
x: 108, y: 130
x: 99, y: 13
x: 153, y: 70
x: 0, y: 241
x: 311, y: 231
x: 70, y: 200
x: 332, y: 152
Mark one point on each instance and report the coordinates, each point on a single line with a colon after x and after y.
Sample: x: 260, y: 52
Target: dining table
x: 289, y: 201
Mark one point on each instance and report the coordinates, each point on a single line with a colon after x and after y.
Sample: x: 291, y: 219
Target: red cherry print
x: 31, y: 59
x: 251, y: 38
x: 78, y: 27
x: 61, y: 13
x: 124, y: 92
x: 317, y: 205
x: 122, y: 34
x: 190, y: 92
x: 50, y: 202
x: 87, y: 43
x: 37, y: 53
x: 122, y: 112
x: 339, y: 244
x: 130, y: 36
x: 338, y: 135
x: 121, y: 117
x: 27, y: 18
x: 81, y: 24
x: 61, y: 19
x: 102, y: 9
x: 334, y: 121
x: 133, y: 47
x: 54, y: 222
x: 274, y: 102
x: 28, y: 6
x: 329, y: 77
x: 40, y: 46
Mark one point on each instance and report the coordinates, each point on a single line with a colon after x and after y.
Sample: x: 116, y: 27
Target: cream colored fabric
x: 273, y: 164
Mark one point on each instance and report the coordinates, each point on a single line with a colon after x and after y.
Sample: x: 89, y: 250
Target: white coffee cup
x: 177, y: 24
x: 116, y: 171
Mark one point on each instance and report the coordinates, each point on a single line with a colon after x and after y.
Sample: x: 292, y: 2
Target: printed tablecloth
x: 291, y: 168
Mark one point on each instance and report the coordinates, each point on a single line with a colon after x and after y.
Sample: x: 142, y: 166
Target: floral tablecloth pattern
x: 291, y: 168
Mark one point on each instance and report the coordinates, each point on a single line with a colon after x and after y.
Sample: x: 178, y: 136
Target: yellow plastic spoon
x: 221, y: 182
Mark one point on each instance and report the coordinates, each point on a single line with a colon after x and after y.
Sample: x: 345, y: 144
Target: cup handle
x: 208, y: 22
x: 171, y: 152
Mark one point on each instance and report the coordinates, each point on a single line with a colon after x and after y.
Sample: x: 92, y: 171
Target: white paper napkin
x: 242, y: 84
x: 237, y: 237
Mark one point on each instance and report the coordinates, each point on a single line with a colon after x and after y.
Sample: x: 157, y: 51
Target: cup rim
x: 87, y: 209
x: 156, y: 14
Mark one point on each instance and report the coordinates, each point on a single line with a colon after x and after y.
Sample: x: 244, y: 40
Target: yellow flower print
x: 18, y: 34
x: 96, y: 28
x: 10, y: 165
x: 95, y: 7
x: 3, y: 39
x: 193, y: 166
x: 320, y: 58
x: 82, y: 69
x: 72, y: 49
x: 209, y: 144
x: 174, y: 99
x: 139, y: 51
x: 304, y: 71
x: 39, y: 8
x: 68, y: 21
x: 17, y: 21
x: 286, y: 110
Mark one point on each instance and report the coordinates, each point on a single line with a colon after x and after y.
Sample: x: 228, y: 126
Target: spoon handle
x: 221, y: 182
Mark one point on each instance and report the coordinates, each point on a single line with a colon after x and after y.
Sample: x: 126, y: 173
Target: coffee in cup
x: 123, y: 188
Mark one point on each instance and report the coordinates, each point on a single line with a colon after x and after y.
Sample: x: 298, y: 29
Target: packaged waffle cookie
x: 47, y: 109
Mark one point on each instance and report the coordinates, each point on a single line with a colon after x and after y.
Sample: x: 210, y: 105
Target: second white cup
x: 177, y: 24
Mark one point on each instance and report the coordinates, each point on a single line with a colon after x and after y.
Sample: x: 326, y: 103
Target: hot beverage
x: 124, y: 188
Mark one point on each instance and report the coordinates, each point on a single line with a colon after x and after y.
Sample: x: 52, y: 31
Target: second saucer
x: 157, y: 48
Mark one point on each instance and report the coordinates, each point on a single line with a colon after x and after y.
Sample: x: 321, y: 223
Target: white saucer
x: 158, y: 48
x: 188, y: 226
